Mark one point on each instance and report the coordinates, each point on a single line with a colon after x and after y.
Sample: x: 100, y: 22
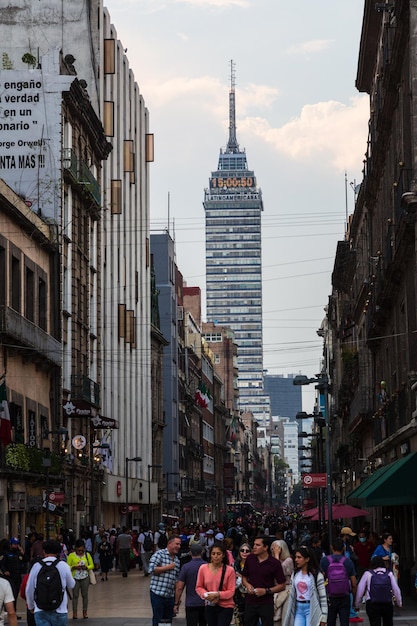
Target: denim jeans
x: 51, y: 618
x: 302, y: 614
x: 162, y: 608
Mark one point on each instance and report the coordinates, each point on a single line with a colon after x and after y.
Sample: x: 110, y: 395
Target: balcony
x: 83, y: 388
x: 361, y: 407
x: 26, y: 333
x: 80, y: 174
x: 69, y: 163
x: 28, y: 459
x: 90, y: 184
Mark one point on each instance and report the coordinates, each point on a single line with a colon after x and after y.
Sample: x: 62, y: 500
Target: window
x: 2, y: 276
x: 30, y: 294
x: 109, y: 56
x: 116, y: 197
x: 42, y: 299
x: 15, y: 283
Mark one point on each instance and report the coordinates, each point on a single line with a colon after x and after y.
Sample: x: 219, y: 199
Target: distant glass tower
x: 233, y: 206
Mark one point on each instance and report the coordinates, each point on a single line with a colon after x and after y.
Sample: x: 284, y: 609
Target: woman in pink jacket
x: 216, y: 582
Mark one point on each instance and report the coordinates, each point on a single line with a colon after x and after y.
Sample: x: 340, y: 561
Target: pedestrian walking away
x: 57, y: 616
x: 307, y: 602
x: 194, y: 605
x: 341, y: 582
x: 146, y: 547
x: 262, y: 576
x: 105, y: 554
x: 124, y: 541
x: 380, y: 589
x: 216, y: 585
x: 164, y: 567
x: 80, y: 563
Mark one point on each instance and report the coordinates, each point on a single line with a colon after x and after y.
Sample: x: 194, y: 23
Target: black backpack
x: 162, y: 541
x: 147, y: 542
x: 48, y: 590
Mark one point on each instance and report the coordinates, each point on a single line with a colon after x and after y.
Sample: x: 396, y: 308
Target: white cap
x: 219, y: 537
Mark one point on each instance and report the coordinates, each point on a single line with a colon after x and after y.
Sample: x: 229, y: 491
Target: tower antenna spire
x: 232, y: 144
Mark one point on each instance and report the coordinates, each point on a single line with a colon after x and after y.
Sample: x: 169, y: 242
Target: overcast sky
x: 299, y: 117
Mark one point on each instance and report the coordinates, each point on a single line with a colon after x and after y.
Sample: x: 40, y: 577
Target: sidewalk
x: 125, y: 602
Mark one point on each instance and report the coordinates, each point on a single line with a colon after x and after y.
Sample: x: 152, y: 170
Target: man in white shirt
x: 7, y: 600
x: 58, y: 617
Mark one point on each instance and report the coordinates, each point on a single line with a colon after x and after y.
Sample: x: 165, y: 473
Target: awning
x: 392, y: 485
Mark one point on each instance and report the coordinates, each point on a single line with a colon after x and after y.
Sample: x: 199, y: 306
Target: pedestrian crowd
x: 243, y: 573
x: 248, y: 575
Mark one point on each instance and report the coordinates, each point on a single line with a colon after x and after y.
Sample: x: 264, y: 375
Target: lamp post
x: 137, y: 459
x: 322, y: 384
x: 149, y: 493
x: 102, y: 446
x: 46, y: 462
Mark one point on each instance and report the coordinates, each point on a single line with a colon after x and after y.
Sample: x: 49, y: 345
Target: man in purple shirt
x: 194, y: 605
x: 262, y: 576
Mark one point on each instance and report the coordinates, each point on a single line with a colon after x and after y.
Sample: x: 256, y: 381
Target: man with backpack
x: 161, y: 537
x: 341, y: 582
x: 380, y: 589
x: 46, y: 589
x: 145, y: 544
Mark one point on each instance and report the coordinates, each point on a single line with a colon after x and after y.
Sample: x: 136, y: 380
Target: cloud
x: 309, y: 47
x: 330, y: 130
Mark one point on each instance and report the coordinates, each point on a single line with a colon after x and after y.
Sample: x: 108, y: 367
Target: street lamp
x: 46, y: 462
x: 322, y: 384
x: 135, y: 459
x: 149, y: 493
x: 101, y: 446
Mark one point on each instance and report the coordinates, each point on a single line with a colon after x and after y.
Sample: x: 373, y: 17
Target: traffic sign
x: 314, y: 481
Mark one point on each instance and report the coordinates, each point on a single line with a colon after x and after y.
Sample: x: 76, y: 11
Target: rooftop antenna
x: 232, y: 145
x: 169, y: 198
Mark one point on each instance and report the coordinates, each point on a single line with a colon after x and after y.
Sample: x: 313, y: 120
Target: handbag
x: 92, y: 577
x: 279, y: 600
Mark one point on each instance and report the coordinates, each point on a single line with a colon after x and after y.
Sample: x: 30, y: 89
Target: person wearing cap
x: 347, y: 535
x: 157, y: 534
x: 11, y: 565
x: 209, y: 542
x: 194, y: 605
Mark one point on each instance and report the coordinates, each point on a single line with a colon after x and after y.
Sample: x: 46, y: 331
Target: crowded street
x: 125, y: 602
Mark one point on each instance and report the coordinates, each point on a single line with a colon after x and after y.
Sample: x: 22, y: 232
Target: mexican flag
x: 5, y: 424
x: 202, y: 395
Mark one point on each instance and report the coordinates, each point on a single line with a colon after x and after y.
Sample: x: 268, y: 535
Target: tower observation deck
x: 233, y: 207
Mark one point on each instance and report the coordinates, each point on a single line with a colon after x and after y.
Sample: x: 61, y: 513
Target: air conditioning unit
x: 180, y: 312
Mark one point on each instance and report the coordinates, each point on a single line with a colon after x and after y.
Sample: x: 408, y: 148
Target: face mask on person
x: 362, y: 539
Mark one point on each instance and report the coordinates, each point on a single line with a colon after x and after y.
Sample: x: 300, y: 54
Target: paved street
x: 125, y: 602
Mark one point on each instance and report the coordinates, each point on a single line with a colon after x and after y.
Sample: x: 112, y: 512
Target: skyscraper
x: 233, y: 206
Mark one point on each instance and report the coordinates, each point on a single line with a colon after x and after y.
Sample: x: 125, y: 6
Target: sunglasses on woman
x: 245, y: 551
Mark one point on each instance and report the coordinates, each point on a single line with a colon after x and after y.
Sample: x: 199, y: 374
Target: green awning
x: 392, y: 485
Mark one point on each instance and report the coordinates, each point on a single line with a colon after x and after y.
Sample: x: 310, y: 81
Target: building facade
x: 82, y: 102
x: 370, y: 340
x: 233, y: 207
